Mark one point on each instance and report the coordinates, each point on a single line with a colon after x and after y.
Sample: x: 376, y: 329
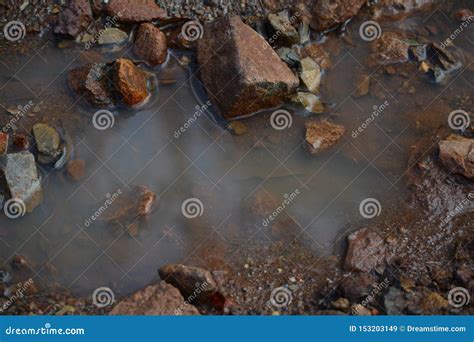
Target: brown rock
x: 362, y: 82
x: 131, y: 11
x: 3, y: 143
x: 74, y: 19
x: 20, y: 142
x: 316, y: 52
x: 130, y: 82
x: 240, y: 71
x: 390, y: 48
x: 357, y: 285
x: 433, y: 302
x: 327, y: 14
x: 365, y: 250
x: 399, y: 7
x: 457, y: 155
x: 90, y: 81
x: 76, y: 169
x: 464, y: 14
x: 159, y: 299
x: 321, y: 135
x: 150, y: 44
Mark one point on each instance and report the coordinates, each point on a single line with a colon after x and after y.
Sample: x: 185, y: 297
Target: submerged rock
x: 321, y: 135
x: 22, y: 178
x: 366, y: 249
x: 150, y: 44
x: 74, y: 19
x: 76, y: 169
x: 48, y: 143
x: 246, y: 75
x: 90, y: 81
x: 457, y: 155
x: 130, y: 82
x: 131, y: 11
x: 159, y: 299
x: 309, y: 101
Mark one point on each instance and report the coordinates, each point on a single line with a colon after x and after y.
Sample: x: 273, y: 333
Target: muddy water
x: 157, y: 146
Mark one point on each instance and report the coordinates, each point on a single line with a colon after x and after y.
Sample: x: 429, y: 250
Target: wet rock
x: 341, y: 303
x: 159, y: 299
x: 433, y: 302
x: 90, y: 81
x: 130, y: 82
x: 328, y: 14
x: 457, y: 155
x: 193, y: 282
x: 399, y: 7
x: 357, y: 285
x: 246, y: 75
x: 76, y: 169
x: 321, y: 135
x: 390, y: 48
x: 3, y: 143
x: 360, y: 310
x: 395, y: 301
x: 309, y: 101
x: 130, y: 11
x: 317, y: 53
x: 150, y: 44
x: 282, y: 24
x: 48, y: 143
x: 289, y: 56
x: 366, y: 249
x: 310, y: 74
x: 112, y: 35
x: 237, y: 127
x: 20, y: 142
x: 464, y: 14
x: 362, y: 82
x: 436, y: 61
x: 22, y: 178
x: 74, y: 19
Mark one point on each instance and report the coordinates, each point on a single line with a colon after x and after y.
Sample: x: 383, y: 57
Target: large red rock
x: 74, y: 19
x: 327, y: 14
x: 133, y: 11
x: 240, y: 71
x: 130, y: 82
x: 159, y: 299
x: 150, y: 44
x: 366, y: 249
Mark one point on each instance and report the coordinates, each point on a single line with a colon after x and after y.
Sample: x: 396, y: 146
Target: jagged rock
x: 282, y: 24
x: 150, y: 44
x: 246, y: 75
x: 316, y: 52
x: 310, y: 74
x: 390, y: 48
x: 309, y: 101
x: 131, y: 11
x: 328, y: 14
x: 130, y: 82
x: 159, y: 299
x: 457, y: 155
x: 366, y: 249
x: 321, y: 135
x: 48, y: 143
x: 74, y: 19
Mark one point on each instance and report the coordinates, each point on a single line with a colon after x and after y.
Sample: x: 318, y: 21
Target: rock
x: 357, y: 285
x: 90, y: 81
x: 464, y: 14
x: 289, y: 56
x: 130, y: 11
x: 237, y: 127
x: 310, y: 74
x: 283, y: 27
x: 341, y: 303
x: 395, y: 301
x: 309, y: 101
x: 76, y: 169
x: 246, y: 75
x: 112, y: 35
x: 193, y: 282
x: 433, y: 302
x: 328, y: 14
x: 3, y: 143
x: 360, y: 310
x: 321, y: 135
x: 457, y: 155
x: 21, y: 142
x: 362, y: 82
x: 399, y: 7
x: 366, y: 249
x: 317, y: 53
x: 74, y: 19
x: 159, y: 299
x: 48, y: 143
x: 150, y: 44
x: 22, y: 178
x: 390, y: 48
x: 130, y: 82
x: 19, y: 263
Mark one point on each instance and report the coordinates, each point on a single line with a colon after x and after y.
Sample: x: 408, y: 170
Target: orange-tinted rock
x: 321, y: 135
x: 390, y: 48
x: 133, y: 11
x: 317, y: 53
x: 76, y: 169
x: 327, y: 14
x: 3, y: 143
x: 130, y: 82
x: 150, y: 44
x: 246, y: 75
